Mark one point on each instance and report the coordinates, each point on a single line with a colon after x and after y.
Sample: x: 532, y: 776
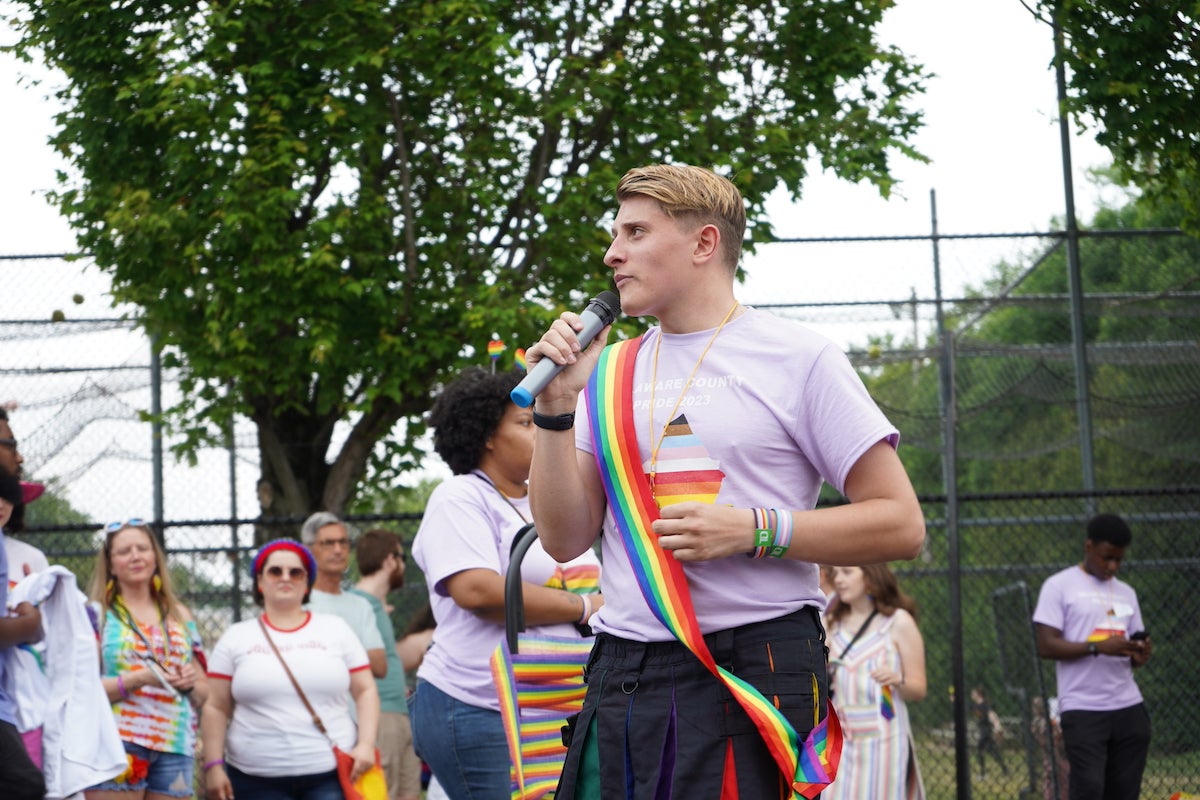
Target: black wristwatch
x: 1093, y: 649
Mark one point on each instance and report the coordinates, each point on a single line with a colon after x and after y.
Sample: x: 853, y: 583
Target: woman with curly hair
x: 149, y: 652
x: 877, y: 665
x: 463, y: 547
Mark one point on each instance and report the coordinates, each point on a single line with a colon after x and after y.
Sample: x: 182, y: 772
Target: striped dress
x: 877, y: 753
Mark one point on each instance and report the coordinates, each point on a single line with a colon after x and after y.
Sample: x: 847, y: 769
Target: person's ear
x: 708, y: 243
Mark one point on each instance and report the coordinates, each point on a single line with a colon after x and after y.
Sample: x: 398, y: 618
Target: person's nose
x: 612, y: 257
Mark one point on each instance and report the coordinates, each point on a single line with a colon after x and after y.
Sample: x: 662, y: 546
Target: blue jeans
x: 319, y: 786
x: 463, y: 745
x: 166, y: 773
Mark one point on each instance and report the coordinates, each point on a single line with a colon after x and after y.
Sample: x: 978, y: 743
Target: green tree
x: 1134, y: 75
x: 1018, y: 427
x: 321, y: 209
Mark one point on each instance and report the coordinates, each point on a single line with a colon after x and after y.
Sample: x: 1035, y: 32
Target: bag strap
x: 315, y: 717
x: 861, y: 630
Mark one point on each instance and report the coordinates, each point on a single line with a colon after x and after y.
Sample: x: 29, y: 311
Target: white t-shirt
x: 20, y: 554
x: 774, y: 410
x: 271, y: 734
x: 354, y: 609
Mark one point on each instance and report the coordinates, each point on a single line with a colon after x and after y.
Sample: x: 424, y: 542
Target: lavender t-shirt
x: 468, y: 525
x: 1087, y: 609
x: 774, y: 410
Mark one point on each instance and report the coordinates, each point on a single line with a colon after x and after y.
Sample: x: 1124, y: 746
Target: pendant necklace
x: 656, y: 445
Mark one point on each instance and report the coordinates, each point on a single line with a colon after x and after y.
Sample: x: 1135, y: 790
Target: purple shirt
x: 774, y: 410
x: 468, y: 525
x: 1087, y: 609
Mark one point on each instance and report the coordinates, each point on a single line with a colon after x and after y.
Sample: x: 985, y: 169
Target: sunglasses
x: 11, y: 444
x: 113, y: 527
x: 294, y: 573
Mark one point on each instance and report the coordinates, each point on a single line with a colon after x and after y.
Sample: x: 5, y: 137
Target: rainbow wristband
x: 764, y: 533
x: 783, y: 533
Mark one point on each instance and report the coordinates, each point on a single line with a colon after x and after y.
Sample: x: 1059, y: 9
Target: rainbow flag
x: 539, y: 687
x: 887, y: 706
x: 519, y: 359
x: 495, y: 347
x: 663, y: 581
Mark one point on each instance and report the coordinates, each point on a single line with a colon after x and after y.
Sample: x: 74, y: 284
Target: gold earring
x: 156, y: 582
x: 110, y: 585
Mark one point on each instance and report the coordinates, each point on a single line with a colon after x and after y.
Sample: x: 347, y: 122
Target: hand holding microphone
x: 599, y: 313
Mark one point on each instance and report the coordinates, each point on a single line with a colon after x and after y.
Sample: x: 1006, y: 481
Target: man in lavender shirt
x: 1090, y: 624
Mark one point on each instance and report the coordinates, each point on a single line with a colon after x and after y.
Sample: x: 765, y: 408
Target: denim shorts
x: 153, y: 771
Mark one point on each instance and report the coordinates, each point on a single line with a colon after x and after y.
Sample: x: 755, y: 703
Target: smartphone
x: 1137, y: 637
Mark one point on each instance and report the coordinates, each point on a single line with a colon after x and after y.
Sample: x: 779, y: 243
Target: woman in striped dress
x: 877, y: 665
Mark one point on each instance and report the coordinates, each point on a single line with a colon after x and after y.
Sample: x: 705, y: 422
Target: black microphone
x: 601, y: 311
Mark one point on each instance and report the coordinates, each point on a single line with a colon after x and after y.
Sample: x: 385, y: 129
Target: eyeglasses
x: 293, y: 573
x: 113, y: 527
x: 331, y: 543
x: 11, y: 444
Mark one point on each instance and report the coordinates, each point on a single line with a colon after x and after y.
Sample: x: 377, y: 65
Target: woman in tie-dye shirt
x: 150, y: 653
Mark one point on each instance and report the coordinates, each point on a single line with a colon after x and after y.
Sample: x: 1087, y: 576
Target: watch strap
x: 561, y: 422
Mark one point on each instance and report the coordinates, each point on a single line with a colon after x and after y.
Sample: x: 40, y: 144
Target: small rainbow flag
x: 519, y: 359
x: 495, y: 347
x: 887, y: 706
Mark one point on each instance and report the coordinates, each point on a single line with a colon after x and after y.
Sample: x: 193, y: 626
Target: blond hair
x: 692, y: 194
x: 105, y: 589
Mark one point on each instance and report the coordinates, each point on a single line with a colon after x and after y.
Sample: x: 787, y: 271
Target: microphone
x: 601, y: 310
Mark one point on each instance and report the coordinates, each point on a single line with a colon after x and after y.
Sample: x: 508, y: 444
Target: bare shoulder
x: 903, y: 622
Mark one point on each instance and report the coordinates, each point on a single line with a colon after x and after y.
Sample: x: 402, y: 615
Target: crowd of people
x: 732, y: 620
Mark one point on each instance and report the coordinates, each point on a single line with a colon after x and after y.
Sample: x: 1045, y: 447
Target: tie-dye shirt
x: 153, y: 716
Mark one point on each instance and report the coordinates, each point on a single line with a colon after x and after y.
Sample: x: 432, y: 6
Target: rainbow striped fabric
x: 811, y: 765
x: 539, y: 687
x: 887, y: 707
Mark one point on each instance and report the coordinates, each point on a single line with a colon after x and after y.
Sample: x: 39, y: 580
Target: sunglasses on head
x: 295, y: 573
x: 113, y: 527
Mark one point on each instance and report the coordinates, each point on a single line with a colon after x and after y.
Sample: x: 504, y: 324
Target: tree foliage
x: 1014, y: 377
x: 1134, y: 72
x: 321, y: 209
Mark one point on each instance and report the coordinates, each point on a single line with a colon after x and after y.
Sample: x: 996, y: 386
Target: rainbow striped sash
x: 811, y: 765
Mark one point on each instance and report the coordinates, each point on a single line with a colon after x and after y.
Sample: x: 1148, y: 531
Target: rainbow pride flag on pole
x: 810, y: 765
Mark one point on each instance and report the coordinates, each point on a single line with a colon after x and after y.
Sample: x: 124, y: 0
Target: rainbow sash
x: 811, y: 765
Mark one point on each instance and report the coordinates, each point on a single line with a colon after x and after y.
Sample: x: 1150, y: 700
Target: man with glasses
x: 19, y: 775
x: 329, y: 540
x: 380, y: 555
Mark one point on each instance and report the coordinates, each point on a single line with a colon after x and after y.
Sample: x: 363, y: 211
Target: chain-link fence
x: 1007, y: 546
x: 983, y: 385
